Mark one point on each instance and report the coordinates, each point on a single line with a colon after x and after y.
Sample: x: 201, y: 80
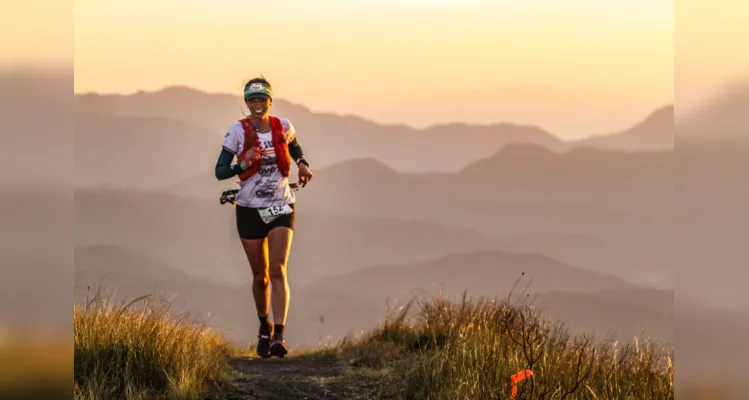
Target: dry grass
x: 123, y: 351
x: 432, y: 349
x: 469, y: 351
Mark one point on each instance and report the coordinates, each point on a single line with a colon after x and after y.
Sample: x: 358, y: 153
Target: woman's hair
x: 260, y: 79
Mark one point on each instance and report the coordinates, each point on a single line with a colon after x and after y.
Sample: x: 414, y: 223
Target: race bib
x: 269, y: 214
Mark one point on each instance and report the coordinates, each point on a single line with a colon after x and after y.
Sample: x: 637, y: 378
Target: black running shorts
x: 251, y: 226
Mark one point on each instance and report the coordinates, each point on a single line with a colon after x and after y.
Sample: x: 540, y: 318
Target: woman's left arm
x: 305, y: 174
x: 296, y: 152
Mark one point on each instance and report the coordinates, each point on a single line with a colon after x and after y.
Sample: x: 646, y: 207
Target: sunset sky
x: 574, y: 67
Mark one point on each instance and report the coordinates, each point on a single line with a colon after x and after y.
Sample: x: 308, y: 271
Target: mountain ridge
x: 292, y: 107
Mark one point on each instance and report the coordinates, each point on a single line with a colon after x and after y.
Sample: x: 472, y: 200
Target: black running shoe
x: 278, y: 346
x: 263, y: 341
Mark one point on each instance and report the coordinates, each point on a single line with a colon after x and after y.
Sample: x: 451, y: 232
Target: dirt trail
x: 309, y: 376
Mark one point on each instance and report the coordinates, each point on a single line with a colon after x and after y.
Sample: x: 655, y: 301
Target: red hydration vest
x: 283, y: 158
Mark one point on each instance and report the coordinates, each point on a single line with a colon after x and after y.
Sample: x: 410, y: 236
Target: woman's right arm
x: 224, y: 169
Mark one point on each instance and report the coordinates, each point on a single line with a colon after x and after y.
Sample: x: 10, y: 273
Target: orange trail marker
x: 520, y: 376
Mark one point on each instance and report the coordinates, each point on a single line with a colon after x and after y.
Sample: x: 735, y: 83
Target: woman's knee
x: 278, y: 272
x: 261, y: 279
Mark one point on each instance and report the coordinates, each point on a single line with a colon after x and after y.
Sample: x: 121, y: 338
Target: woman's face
x: 258, y: 106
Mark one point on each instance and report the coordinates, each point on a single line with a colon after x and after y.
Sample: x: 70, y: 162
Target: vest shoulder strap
x: 277, y: 129
x: 250, y: 134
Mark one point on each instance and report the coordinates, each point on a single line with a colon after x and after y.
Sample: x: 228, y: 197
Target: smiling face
x: 258, y: 96
x: 259, y: 106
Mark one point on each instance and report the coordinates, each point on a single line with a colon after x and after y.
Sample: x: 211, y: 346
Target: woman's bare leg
x: 257, y: 255
x: 279, y: 244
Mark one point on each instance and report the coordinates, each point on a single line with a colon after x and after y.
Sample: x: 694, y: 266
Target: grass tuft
x: 139, y: 350
x: 469, y: 350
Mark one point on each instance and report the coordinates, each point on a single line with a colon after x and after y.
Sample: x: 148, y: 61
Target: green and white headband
x: 257, y: 89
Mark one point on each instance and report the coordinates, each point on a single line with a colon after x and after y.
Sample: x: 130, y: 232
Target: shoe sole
x: 278, y: 351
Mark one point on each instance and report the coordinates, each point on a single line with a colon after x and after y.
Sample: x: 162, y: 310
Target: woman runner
x: 264, y: 146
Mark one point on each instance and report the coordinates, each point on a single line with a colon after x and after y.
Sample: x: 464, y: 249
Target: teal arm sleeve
x: 224, y: 169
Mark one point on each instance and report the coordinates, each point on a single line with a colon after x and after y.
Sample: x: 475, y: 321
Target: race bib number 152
x: 268, y: 214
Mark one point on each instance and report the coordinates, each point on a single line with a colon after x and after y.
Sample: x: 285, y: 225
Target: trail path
x: 307, y: 376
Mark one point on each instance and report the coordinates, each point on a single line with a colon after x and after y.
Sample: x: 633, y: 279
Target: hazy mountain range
x: 182, y: 118
x: 459, y: 206
x: 466, y: 207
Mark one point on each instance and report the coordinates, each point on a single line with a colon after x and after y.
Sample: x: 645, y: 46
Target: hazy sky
x: 572, y: 66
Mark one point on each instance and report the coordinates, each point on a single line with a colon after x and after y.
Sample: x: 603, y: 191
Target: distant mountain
x: 329, y: 138
x: 656, y: 132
